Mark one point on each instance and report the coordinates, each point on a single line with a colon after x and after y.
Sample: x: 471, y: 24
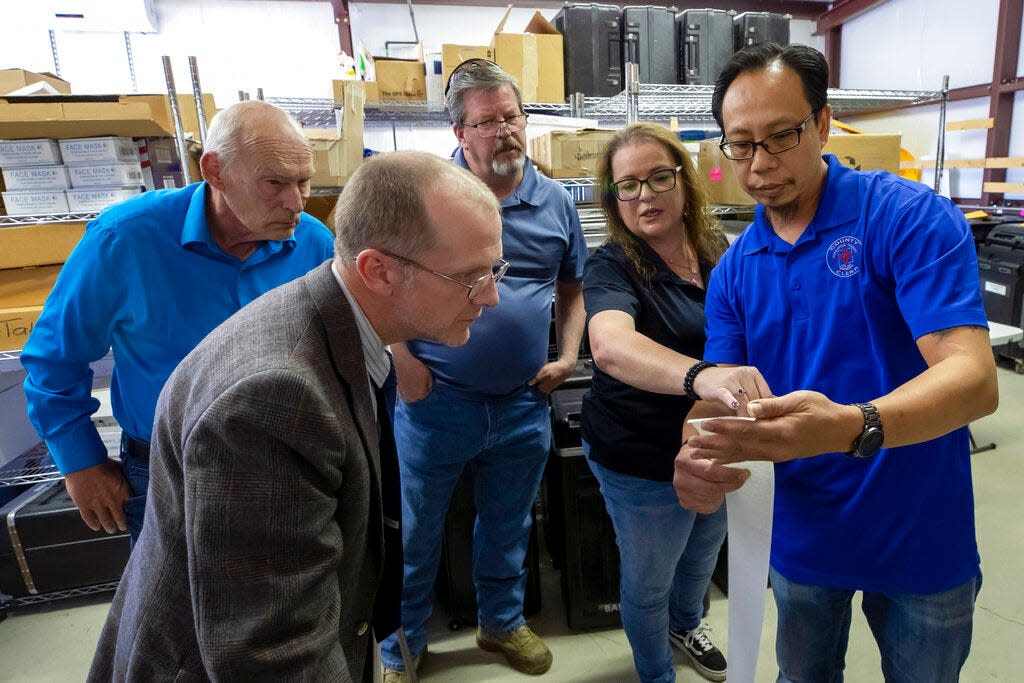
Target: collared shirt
x: 543, y: 242
x: 378, y: 361
x: 148, y: 280
x: 630, y: 430
x: 883, y: 262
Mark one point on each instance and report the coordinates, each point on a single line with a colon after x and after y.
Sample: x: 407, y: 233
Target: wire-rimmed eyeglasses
x: 476, y: 287
x: 662, y: 180
x: 773, y: 144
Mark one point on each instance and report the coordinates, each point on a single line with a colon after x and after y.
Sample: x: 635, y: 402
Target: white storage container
x: 98, y: 150
x: 35, y: 152
x: 95, y: 200
x: 37, y: 178
x: 38, y: 202
x: 110, y: 174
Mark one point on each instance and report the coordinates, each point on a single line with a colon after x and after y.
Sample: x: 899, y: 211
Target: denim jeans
x: 920, y: 637
x: 506, y: 443
x: 136, y: 471
x: 668, y: 554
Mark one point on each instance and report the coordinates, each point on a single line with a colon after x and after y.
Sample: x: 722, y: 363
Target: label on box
x: 37, y: 152
x: 89, y: 150
x: 995, y: 288
x: 36, y: 178
x: 114, y: 174
x: 16, y: 325
x: 90, y: 201
x: 40, y: 202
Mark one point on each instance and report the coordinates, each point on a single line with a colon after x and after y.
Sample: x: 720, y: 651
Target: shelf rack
x: 34, y: 466
x: 38, y: 219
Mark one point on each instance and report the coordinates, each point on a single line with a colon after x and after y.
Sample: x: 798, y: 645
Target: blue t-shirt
x: 630, y: 430
x: 884, y: 262
x: 148, y: 280
x: 543, y: 242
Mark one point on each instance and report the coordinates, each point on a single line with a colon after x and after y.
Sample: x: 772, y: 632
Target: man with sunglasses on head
x: 484, y: 406
x: 858, y: 294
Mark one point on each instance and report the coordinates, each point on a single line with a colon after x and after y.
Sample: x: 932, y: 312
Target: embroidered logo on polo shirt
x: 843, y: 256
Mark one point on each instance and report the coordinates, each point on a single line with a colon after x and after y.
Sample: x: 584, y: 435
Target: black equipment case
x: 45, y: 547
x: 705, y: 44
x: 752, y: 28
x: 649, y: 40
x: 592, y: 36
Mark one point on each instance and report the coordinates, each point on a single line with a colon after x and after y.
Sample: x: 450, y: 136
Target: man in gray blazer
x: 269, y: 551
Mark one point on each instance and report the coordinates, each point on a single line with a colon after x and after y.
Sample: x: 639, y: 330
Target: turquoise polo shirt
x: 148, y: 281
x: 883, y: 262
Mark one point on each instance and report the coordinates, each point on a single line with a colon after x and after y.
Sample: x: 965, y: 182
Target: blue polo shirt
x: 543, y: 242
x: 630, y: 430
x: 148, y: 280
x: 883, y: 262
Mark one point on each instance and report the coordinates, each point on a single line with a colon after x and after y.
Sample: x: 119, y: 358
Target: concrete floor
x: 55, y: 643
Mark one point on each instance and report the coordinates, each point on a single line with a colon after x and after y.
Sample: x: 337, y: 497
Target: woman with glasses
x: 644, y: 295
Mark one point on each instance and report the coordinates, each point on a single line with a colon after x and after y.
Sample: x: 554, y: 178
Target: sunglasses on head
x: 475, y: 62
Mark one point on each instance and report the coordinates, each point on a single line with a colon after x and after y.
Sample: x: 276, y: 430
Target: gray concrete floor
x: 55, y: 643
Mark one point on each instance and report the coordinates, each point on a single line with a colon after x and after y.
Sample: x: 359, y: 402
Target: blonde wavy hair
x: 700, y: 228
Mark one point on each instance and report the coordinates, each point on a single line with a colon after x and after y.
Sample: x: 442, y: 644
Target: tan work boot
x: 400, y: 675
x: 523, y: 648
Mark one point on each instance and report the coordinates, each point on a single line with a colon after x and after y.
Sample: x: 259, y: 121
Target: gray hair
x: 482, y: 76
x: 231, y: 128
x: 383, y: 205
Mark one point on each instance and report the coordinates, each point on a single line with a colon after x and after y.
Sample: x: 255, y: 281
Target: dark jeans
x: 135, y: 468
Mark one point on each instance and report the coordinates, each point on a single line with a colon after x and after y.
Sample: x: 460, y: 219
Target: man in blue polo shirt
x: 856, y: 295
x: 484, y: 405
x: 150, y: 278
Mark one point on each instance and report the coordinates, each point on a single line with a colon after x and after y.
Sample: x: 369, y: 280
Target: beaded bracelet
x: 691, y: 375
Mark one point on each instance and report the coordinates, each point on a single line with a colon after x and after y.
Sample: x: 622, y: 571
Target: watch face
x: 870, y: 442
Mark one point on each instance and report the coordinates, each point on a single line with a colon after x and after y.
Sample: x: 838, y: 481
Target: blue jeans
x: 506, y: 442
x: 920, y: 637
x: 668, y: 554
x: 136, y: 471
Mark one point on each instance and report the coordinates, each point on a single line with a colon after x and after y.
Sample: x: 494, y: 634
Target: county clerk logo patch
x: 844, y: 256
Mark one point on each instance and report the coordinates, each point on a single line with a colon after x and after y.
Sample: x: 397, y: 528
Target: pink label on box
x: 715, y: 174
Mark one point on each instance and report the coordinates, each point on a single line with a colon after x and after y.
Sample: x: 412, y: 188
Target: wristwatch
x: 870, y: 440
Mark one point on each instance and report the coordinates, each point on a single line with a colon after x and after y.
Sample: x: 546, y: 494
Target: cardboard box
x: 37, y: 178
x: 533, y: 57
x: 35, y: 152
x: 109, y: 174
x: 400, y: 79
x: 15, y: 79
x: 38, y: 245
x: 338, y: 91
x: 453, y: 55
x: 866, y: 152
x: 569, y: 154
x: 16, y: 325
x: 161, y: 165
x: 20, y: 287
x: 338, y: 155
x: 35, y: 202
x: 95, y: 200
x: 716, y: 170
x: 98, y: 150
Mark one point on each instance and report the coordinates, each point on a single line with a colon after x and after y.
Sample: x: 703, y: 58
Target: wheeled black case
x: 649, y: 40
x: 456, y: 591
x: 705, y: 44
x: 1001, y: 271
x: 751, y: 28
x: 592, y: 36
x: 45, y: 547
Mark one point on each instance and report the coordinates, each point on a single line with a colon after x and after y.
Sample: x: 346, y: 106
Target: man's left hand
x: 552, y: 374
x: 801, y: 424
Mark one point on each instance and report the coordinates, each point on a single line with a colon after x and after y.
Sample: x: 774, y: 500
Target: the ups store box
x: 453, y: 55
x: 569, y: 154
x: 400, y: 79
x: 22, y: 294
x: 533, y: 57
x: 860, y: 152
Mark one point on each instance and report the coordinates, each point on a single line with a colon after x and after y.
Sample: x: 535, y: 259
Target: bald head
x: 251, y: 125
x: 384, y: 202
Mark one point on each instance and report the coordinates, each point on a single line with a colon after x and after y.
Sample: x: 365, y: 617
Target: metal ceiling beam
x: 843, y: 12
x: 341, y: 20
x: 1004, y: 78
x: 800, y: 9
x: 833, y: 54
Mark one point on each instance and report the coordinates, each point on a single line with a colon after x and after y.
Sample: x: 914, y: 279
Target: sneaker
x: 523, y: 648
x: 401, y: 675
x: 706, y: 658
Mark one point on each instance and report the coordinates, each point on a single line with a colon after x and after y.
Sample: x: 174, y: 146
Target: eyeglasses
x: 476, y: 287
x: 659, y: 181
x: 773, y: 144
x: 488, y: 129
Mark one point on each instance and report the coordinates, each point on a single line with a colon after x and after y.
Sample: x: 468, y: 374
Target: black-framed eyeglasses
x: 488, y: 129
x: 773, y: 144
x: 476, y: 287
x: 660, y: 181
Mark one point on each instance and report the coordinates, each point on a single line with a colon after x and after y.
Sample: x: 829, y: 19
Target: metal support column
x: 179, y: 128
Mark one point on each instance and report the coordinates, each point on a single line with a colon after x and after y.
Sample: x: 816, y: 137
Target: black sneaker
x: 706, y: 658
